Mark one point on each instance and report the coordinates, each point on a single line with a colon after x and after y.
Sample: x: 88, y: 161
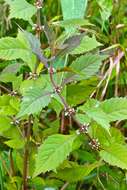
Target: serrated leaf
x: 84, y: 67
x: 105, y: 138
x: 87, y: 44
x: 33, y: 42
x: 93, y: 111
x: 99, y: 116
x: 40, y: 82
x: 115, y: 108
x: 33, y: 101
x: 15, y: 143
x: 21, y: 9
x: 17, y: 48
x: 117, y: 136
x: 73, y: 9
x: 107, y: 111
x: 76, y: 172
x: 12, y: 48
x: 53, y: 152
x: 69, y: 44
x: 115, y: 155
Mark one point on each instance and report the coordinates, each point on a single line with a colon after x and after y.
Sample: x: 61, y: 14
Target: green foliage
x: 105, y: 112
x: 15, y: 143
x: 16, y: 48
x: 53, y: 152
x: 34, y: 100
x: 115, y: 108
x: 21, y: 9
x: 116, y: 155
x: 105, y: 9
x: 75, y: 22
x: 5, y: 123
x: 85, y: 66
x: 78, y: 172
x: 87, y: 44
x: 63, y: 95
x: 73, y: 10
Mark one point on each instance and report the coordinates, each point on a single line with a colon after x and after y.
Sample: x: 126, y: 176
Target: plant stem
x: 12, y: 164
x: 66, y: 106
x: 64, y: 186
x: 55, y: 87
x: 5, y: 167
x: 38, y: 31
x: 5, y: 89
x: 62, y: 129
x: 26, y: 156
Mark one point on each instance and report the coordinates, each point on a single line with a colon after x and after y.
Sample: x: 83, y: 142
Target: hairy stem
x: 26, y: 155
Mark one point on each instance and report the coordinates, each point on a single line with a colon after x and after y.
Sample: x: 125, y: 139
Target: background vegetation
x: 63, y: 85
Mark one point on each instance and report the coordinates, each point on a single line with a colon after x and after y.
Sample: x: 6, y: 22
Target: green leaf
x: 33, y: 101
x: 73, y: 23
x: 8, y: 105
x: 75, y: 172
x: 13, y: 68
x: 12, y: 48
x: 84, y: 119
x: 8, y: 77
x: 15, y: 143
x: 115, y: 108
x: 5, y: 123
x: 17, y: 48
x: 4, y: 100
x: 99, y: 116
x: 73, y: 9
x: 40, y: 82
x: 116, y: 136
x: 21, y: 9
x: 87, y: 44
x: 78, y: 93
x: 92, y: 109
x: 12, y: 133
x: 53, y: 152
x: 69, y: 43
x: 56, y: 106
x: 115, y: 155
x: 105, y: 8
x: 34, y: 42
x: 84, y: 67
x: 105, y: 138
x: 107, y: 111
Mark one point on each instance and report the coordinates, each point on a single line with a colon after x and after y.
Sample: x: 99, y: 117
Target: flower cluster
x: 69, y: 111
x: 38, y: 4
x: 95, y: 144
